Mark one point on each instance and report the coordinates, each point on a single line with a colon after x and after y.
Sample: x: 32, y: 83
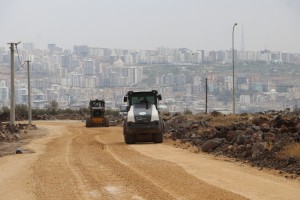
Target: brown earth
x: 268, y: 140
x: 75, y: 162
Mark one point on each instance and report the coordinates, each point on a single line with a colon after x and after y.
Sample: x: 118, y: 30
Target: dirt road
x: 74, y: 162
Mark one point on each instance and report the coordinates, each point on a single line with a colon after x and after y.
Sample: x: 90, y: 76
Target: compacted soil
x: 75, y: 162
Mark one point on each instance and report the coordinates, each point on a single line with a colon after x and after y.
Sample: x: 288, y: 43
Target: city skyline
x: 264, y: 79
x: 136, y: 24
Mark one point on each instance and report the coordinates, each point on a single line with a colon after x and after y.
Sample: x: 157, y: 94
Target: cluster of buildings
x: 73, y: 77
x: 255, y: 92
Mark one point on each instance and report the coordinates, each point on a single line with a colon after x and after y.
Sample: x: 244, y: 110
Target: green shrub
x: 21, y: 111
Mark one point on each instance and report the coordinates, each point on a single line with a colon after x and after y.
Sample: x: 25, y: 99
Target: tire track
x: 111, y: 176
x: 167, y: 176
x: 94, y: 163
x: 109, y: 149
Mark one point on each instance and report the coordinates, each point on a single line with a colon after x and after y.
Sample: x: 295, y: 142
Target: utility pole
x: 206, y: 96
x: 233, y: 87
x: 29, y: 94
x: 12, y: 83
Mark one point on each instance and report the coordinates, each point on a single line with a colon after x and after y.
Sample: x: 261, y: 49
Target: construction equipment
x: 143, y: 120
x: 97, y: 111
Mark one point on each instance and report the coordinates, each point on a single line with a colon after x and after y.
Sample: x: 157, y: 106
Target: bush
x: 4, y: 113
x: 112, y: 112
x: 52, y: 107
x: 187, y: 112
x: 21, y: 112
x: 38, y: 111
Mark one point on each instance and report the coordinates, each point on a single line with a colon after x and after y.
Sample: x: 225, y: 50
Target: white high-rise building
x: 132, y: 75
x: 4, y: 94
x: 89, y: 67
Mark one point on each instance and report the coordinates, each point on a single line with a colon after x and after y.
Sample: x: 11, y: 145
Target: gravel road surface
x: 75, y: 162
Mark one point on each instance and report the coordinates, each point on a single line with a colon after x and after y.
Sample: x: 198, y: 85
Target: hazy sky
x: 148, y: 24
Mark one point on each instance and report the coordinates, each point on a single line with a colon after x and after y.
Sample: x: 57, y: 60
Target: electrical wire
x: 21, y: 65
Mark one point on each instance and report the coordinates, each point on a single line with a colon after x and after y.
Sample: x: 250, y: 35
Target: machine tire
x: 157, y: 137
x: 88, y: 122
x: 106, y: 122
x: 129, y: 138
x: 124, y: 127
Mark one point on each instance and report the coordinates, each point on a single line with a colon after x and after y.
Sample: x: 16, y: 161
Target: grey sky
x: 148, y: 24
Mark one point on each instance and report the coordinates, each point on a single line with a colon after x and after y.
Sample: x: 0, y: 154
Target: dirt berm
x: 266, y: 140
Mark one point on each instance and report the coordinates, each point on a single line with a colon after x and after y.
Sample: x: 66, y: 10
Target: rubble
x: 14, y: 133
x: 12, y: 138
x: 266, y: 140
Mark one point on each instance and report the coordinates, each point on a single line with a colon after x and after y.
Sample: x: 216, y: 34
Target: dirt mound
x: 13, y: 133
x: 265, y: 140
x: 12, y: 138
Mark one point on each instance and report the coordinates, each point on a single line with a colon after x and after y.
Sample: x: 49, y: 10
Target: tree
x: 187, y: 112
x: 21, y: 111
x: 52, y: 107
x: 4, y: 113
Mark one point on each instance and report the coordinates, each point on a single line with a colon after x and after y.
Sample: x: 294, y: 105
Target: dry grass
x: 292, y: 150
x: 226, y: 120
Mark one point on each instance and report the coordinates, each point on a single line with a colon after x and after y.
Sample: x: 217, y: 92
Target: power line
x: 21, y: 65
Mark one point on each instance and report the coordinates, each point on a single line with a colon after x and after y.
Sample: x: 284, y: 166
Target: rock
x: 219, y: 141
x: 241, y: 147
x: 197, y: 142
x: 249, y: 146
x: 210, y: 145
x: 17, y: 136
x: 283, y: 129
x: 248, y: 131
x: 195, y: 126
x: 241, y: 139
x: 259, y: 120
x: 265, y: 127
x: 298, y: 126
x: 297, y: 137
x: 257, y: 137
x: 216, y: 114
x: 231, y: 135
x: 188, y: 135
x: 19, y: 151
x: 207, y: 118
x: 211, y: 132
x: 257, y: 149
x: 255, y: 128
x: 256, y: 154
x: 269, y: 137
x: 291, y: 160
